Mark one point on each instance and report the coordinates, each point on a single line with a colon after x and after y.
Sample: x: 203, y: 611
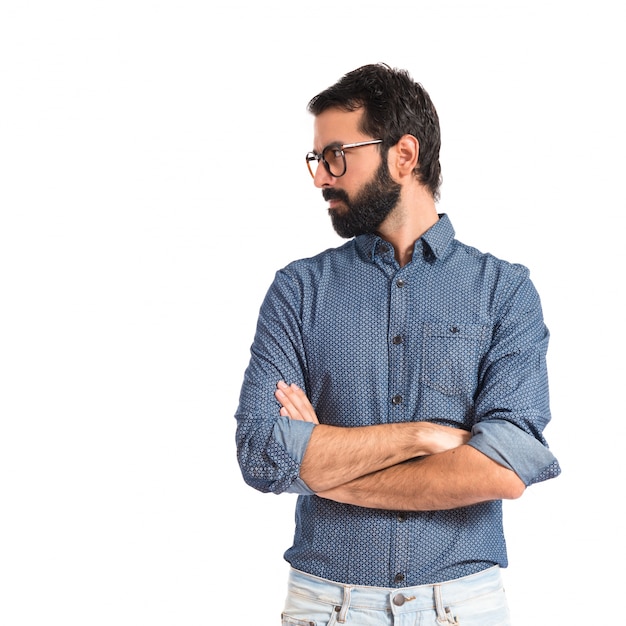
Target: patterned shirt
x: 454, y: 337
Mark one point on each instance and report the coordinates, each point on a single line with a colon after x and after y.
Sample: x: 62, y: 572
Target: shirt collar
x: 437, y: 238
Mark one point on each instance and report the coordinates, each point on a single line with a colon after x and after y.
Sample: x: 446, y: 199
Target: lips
x: 333, y: 204
x: 335, y: 197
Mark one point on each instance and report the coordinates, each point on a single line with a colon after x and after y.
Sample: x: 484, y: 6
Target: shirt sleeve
x: 513, y: 448
x: 270, y: 448
x: 512, y: 403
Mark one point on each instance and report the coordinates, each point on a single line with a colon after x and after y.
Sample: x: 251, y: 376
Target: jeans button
x: 399, y: 600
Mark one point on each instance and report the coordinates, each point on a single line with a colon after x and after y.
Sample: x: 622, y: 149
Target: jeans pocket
x: 292, y: 621
x: 320, y: 616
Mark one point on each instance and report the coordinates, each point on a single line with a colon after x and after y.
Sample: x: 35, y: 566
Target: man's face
x: 361, y: 199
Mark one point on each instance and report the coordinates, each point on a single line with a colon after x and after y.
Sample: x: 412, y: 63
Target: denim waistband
x: 418, y: 598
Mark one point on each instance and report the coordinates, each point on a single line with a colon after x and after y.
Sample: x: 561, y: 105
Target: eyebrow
x: 330, y: 145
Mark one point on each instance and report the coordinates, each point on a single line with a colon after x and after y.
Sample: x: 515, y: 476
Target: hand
x: 294, y: 403
x: 434, y: 438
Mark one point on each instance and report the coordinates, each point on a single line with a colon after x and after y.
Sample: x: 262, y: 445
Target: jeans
x: 476, y: 600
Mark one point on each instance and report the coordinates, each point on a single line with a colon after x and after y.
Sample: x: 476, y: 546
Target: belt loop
x: 441, y: 614
x: 343, y: 613
x: 444, y: 615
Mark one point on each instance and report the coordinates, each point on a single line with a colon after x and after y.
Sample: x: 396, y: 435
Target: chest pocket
x: 451, y: 356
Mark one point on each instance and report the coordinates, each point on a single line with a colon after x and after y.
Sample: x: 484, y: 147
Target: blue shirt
x: 455, y: 337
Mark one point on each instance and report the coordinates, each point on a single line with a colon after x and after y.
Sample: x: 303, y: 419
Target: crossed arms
x: 416, y: 466
x: 406, y: 465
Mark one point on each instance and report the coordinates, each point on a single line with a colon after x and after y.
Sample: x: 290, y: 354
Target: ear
x: 403, y: 157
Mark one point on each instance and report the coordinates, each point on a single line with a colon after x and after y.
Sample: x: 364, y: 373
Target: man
x: 396, y: 383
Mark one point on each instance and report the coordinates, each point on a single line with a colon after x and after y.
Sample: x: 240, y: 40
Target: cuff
x: 293, y: 436
x: 511, y: 447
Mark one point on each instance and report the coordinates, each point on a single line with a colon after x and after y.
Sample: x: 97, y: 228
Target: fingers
x: 436, y: 438
x: 294, y: 403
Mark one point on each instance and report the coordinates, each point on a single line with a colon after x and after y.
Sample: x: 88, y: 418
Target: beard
x: 369, y: 207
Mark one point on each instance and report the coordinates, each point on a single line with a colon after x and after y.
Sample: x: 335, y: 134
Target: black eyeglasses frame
x: 313, y: 156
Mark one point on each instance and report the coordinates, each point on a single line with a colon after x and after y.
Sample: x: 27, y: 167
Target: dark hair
x: 394, y: 105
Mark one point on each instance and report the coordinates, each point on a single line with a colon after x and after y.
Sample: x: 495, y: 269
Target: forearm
x: 335, y: 456
x: 459, y: 477
x: 338, y: 455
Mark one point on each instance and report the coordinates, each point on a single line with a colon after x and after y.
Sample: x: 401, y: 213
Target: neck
x: 409, y: 220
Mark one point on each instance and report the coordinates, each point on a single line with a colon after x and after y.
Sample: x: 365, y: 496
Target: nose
x: 322, y: 178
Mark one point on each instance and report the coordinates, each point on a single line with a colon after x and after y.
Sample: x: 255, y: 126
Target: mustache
x: 335, y: 194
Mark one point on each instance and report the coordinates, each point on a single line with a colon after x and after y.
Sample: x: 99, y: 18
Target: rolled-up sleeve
x: 512, y: 404
x: 270, y: 448
x: 511, y: 447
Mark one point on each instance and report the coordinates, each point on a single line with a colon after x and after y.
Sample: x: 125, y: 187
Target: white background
x: 152, y: 181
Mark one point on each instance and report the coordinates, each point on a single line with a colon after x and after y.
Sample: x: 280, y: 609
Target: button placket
x: 397, y: 340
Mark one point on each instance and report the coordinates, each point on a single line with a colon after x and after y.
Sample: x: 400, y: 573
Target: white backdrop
x: 152, y: 180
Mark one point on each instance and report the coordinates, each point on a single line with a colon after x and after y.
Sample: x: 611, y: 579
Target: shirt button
x: 398, y: 578
x: 396, y: 400
x: 402, y: 517
x: 397, y: 339
x: 399, y: 283
x: 399, y: 600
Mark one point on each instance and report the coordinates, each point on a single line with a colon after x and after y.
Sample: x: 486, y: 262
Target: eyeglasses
x: 333, y: 157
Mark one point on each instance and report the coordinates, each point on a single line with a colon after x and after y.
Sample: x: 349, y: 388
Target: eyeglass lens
x: 334, y: 158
